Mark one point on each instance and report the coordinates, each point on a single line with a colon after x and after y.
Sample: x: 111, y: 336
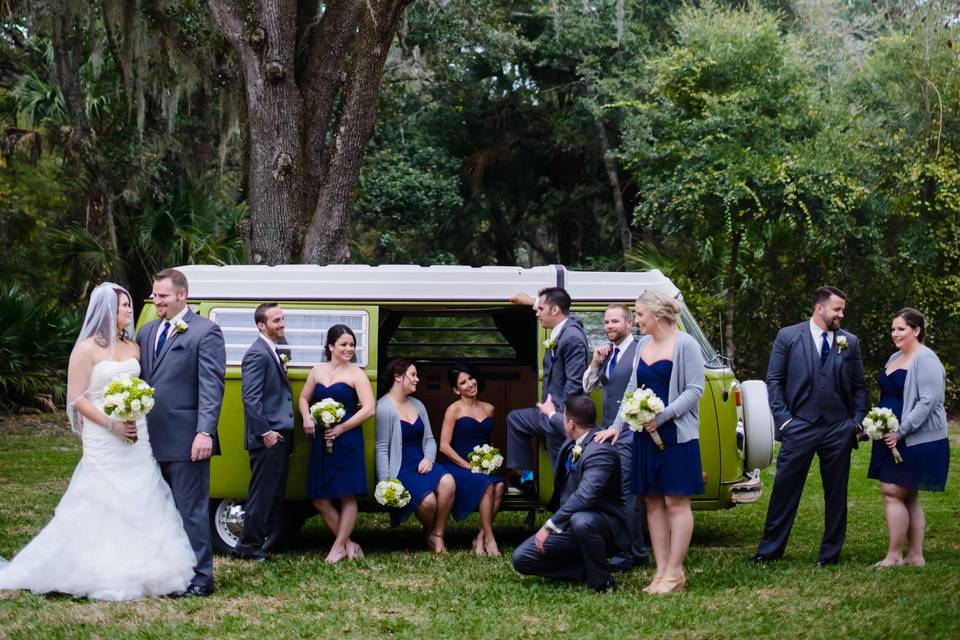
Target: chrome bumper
x: 748, y: 490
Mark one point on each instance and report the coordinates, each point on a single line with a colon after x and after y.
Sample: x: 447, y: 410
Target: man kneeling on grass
x: 589, y: 523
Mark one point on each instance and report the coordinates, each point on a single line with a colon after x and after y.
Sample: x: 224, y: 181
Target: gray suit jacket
x: 188, y: 376
x: 790, y: 374
x: 267, y: 398
x: 592, y: 485
x: 563, y: 367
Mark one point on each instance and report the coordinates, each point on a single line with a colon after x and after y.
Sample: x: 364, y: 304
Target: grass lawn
x: 401, y: 591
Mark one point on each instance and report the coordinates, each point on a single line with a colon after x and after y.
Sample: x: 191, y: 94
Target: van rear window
x: 305, y: 335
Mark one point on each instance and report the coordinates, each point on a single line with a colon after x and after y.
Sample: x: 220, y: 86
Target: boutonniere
x: 180, y: 326
x: 550, y: 343
x: 284, y: 359
x: 577, y: 452
x: 842, y: 344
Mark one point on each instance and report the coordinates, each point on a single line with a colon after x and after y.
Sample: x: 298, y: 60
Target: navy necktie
x: 164, y: 329
x: 824, y: 348
x: 613, y: 361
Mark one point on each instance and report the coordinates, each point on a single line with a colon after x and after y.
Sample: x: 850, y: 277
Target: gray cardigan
x: 686, y: 387
x: 924, y: 418
x: 390, y: 440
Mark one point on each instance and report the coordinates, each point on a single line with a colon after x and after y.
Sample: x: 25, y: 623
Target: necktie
x: 824, y: 348
x: 613, y: 361
x: 164, y: 329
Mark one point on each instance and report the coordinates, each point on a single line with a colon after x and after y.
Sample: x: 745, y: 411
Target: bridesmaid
x: 912, y: 386
x: 670, y: 363
x: 406, y: 451
x: 466, y: 424
x: 341, y: 474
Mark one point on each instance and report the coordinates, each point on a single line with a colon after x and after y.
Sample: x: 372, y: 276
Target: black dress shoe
x: 606, y: 587
x: 196, y: 591
x: 826, y: 562
x: 761, y: 559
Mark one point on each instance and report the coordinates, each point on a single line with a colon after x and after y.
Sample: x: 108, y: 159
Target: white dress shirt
x: 817, y: 334
x: 170, y: 327
x: 549, y: 523
x: 591, y: 377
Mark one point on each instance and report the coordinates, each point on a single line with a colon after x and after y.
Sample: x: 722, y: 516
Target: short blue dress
x: 469, y: 432
x: 343, y: 472
x: 420, y: 485
x: 924, y: 465
x: 676, y: 470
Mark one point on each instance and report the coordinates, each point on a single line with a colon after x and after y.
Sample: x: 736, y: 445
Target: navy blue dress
x: 343, y: 472
x: 924, y: 465
x: 420, y: 485
x: 469, y: 432
x: 676, y: 470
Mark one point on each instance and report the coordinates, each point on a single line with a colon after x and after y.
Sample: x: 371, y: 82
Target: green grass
x: 403, y: 592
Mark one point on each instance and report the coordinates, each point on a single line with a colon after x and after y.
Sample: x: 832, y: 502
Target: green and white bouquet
x: 878, y: 423
x: 327, y: 412
x: 127, y: 398
x: 391, y: 493
x: 639, y: 407
x: 484, y: 459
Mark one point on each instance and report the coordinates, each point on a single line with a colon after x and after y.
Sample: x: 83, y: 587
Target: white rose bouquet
x: 327, y: 412
x: 484, y: 459
x: 641, y: 406
x: 391, y: 493
x: 127, y: 398
x: 878, y: 423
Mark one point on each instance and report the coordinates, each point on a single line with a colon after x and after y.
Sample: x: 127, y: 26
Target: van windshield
x: 712, y: 359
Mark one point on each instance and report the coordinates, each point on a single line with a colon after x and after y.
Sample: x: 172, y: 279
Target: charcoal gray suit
x: 817, y: 407
x: 188, y: 376
x: 590, y: 512
x: 563, y: 369
x: 267, y: 406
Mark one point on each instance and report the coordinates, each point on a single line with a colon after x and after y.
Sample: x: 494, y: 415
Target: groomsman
x: 818, y: 396
x: 268, y: 425
x: 610, y: 370
x: 564, y: 360
x: 589, y: 521
x: 183, y: 358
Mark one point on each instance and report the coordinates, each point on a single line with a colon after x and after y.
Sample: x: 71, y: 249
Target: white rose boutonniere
x: 180, y: 326
x: 577, y: 452
x: 842, y: 344
x: 550, y: 343
x: 284, y: 358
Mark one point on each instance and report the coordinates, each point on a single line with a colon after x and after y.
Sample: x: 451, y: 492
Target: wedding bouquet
x: 127, y: 398
x: 639, y: 407
x: 391, y: 493
x: 878, y: 423
x: 327, y: 412
x: 484, y: 459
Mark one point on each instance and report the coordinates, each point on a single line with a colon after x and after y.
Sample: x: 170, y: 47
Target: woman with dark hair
x: 466, y: 424
x: 336, y: 469
x: 912, y: 386
x: 406, y: 451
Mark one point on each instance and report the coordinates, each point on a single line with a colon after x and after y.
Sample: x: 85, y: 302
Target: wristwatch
x: 204, y: 433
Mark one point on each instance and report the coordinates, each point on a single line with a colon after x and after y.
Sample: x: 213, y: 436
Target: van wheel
x: 226, y: 524
x: 757, y: 424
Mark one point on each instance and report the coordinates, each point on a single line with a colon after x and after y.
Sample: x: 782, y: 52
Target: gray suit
x: 188, y: 376
x: 590, y: 513
x: 817, y: 407
x: 614, y: 384
x: 563, y: 369
x: 267, y: 406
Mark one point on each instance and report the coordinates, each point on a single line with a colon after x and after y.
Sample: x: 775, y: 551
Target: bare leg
x: 348, y: 520
x: 486, y: 522
x: 681, y: 532
x: 659, y: 528
x: 898, y: 521
x: 331, y: 517
x: 918, y: 524
x: 425, y: 513
x: 490, y: 542
x: 445, y: 492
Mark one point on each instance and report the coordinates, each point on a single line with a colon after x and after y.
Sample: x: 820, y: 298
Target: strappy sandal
x: 651, y: 588
x: 668, y: 584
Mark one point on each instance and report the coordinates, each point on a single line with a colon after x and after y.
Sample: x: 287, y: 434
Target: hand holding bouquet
x: 640, y: 407
x: 484, y: 459
x: 878, y: 423
x: 391, y: 493
x: 327, y: 412
x: 128, y: 399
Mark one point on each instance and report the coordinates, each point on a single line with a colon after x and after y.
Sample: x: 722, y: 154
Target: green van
x: 435, y: 316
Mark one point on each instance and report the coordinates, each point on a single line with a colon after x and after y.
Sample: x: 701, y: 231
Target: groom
x: 184, y: 360
x: 818, y: 397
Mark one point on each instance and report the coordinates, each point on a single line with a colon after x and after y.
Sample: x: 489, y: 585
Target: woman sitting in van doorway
x: 406, y: 450
x: 466, y: 424
x: 670, y: 363
x: 336, y: 469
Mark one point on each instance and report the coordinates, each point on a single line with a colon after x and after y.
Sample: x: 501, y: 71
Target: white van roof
x: 414, y: 283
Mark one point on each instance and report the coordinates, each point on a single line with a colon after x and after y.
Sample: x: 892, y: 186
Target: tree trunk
x: 731, y: 296
x: 626, y: 238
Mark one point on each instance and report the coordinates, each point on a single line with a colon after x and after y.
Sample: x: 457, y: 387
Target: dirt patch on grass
x: 43, y: 424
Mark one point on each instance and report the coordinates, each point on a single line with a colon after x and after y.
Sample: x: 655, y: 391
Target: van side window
x: 450, y: 336
x: 306, y: 333
x: 593, y: 328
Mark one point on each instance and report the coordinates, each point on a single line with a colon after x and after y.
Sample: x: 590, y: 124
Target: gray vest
x: 616, y: 384
x: 824, y: 400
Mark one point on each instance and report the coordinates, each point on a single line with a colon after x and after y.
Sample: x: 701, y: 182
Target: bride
x: 116, y: 534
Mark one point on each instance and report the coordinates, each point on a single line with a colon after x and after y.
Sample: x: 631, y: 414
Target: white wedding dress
x: 116, y: 534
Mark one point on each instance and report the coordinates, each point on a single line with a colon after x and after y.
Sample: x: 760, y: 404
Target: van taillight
x: 737, y: 398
